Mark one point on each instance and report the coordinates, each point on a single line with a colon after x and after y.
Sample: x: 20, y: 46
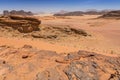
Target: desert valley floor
x: 105, y: 35
x: 62, y: 56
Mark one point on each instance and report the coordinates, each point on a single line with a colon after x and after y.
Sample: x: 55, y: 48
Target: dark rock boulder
x: 91, y: 66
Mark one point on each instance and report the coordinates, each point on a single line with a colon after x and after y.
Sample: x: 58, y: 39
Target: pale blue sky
x: 57, y: 5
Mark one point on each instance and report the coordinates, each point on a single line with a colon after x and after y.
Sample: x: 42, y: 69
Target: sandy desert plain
x: 104, y: 37
x: 63, y: 57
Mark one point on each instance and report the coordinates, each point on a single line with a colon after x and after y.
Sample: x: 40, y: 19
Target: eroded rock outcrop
x: 91, y: 66
x: 56, y: 31
x: 22, y: 24
x: 28, y: 63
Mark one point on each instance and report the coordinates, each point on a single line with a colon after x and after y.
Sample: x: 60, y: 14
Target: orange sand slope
x: 105, y: 36
x: 70, y: 57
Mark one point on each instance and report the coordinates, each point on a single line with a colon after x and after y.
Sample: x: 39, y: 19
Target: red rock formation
x: 22, y: 24
x: 28, y: 63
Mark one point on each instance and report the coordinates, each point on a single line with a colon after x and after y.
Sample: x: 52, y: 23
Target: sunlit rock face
x: 21, y: 23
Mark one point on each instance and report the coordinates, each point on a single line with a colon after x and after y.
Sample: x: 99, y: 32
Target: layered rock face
x: 28, y: 63
x: 112, y: 14
x: 21, y: 23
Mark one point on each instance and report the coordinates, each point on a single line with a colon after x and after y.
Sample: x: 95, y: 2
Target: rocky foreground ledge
x: 28, y: 63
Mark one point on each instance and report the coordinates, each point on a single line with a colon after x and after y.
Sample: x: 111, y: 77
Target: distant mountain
x: 62, y: 12
x: 95, y: 12
x: 76, y: 13
x: 14, y: 12
x: 112, y: 14
x: 80, y: 13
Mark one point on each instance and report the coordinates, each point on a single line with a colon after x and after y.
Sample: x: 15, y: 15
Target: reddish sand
x: 26, y: 63
x: 105, y: 36
x: 105, y: 33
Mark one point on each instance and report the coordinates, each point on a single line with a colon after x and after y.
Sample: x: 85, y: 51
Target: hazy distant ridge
x: 80, y: 13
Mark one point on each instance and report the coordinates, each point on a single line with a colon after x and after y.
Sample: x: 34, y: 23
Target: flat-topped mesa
x: 21, y: 23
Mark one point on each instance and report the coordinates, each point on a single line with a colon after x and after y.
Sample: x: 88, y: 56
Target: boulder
x: 85, y: 65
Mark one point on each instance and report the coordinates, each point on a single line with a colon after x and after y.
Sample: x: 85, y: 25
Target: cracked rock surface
x: 28, y: 63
